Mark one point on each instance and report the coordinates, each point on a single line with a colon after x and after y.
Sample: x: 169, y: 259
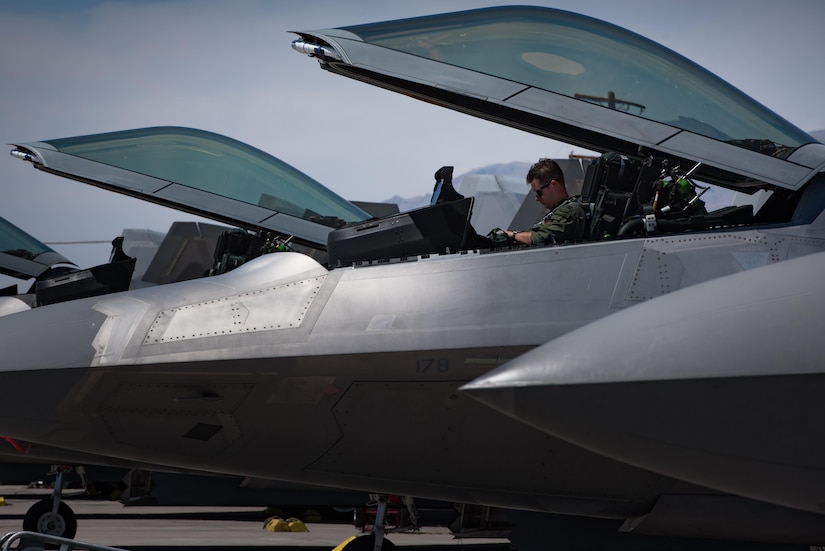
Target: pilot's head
x: 546, y: 180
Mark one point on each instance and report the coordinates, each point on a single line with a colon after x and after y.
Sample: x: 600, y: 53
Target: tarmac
x: 217, y: 528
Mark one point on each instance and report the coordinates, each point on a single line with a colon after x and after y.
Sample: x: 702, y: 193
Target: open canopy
x: 577, y: 79
x: 202, y: 173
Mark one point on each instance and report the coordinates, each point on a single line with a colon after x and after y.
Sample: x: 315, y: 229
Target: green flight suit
x: 565, y: 223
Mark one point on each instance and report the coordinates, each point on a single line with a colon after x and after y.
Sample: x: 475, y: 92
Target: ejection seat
x: 609, y: 193
x: 630, y: 197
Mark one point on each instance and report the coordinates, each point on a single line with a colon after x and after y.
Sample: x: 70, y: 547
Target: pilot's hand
x: 498, y: 236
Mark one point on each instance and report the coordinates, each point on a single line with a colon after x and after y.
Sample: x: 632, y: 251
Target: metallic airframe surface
x: 719, y: 383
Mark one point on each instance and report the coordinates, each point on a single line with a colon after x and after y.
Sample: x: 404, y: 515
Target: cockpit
x: 664, y: 129
x: 271, y: 207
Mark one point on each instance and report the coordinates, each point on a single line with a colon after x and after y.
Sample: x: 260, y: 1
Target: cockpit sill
x: 624, y: 199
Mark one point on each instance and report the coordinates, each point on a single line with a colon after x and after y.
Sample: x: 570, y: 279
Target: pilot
x: 565, y: 221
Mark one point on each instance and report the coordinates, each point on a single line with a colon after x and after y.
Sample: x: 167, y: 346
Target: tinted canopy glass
x: 592, y: 61
x: 215, y: 164
x: 23, y: 256
x: 16, y: 242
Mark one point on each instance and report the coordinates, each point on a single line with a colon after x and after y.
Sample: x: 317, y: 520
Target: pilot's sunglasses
x: 539, y: 191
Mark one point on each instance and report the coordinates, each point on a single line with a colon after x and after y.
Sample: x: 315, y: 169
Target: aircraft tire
x: 366, y: 543
x: 39, y: 519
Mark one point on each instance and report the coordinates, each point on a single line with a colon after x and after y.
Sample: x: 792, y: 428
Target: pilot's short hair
x: 545, y: 170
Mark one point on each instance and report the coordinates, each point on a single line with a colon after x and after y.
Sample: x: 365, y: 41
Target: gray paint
x: 719, y: 384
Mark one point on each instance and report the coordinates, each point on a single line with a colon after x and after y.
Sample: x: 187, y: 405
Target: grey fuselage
x: 349, y: 377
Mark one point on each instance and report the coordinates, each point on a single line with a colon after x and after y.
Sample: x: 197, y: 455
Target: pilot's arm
x: 563, y: 224
x: 523, y: 237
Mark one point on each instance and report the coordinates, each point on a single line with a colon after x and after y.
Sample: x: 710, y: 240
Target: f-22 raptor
x: 329, y: 348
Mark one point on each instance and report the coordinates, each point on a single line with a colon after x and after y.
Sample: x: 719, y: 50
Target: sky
x: 79, y: 67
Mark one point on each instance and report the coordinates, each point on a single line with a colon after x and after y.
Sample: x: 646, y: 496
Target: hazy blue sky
x: 80, y: 67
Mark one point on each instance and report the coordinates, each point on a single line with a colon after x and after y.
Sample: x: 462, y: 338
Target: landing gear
x: 51, y: 516
x: 378, y: 542
x: 374, y: 541
x: 45, y: 518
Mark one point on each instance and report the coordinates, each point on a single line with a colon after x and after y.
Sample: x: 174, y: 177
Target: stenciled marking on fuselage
x: 432, y: 365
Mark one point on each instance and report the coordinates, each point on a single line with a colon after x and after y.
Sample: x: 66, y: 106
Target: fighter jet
x: 719, y: 384
x: 327, y: 347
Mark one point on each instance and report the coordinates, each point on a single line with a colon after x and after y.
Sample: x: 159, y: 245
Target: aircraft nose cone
x: 545, y: 387
x: 719, y: 384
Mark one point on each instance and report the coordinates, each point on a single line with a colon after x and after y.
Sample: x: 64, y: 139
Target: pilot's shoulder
x: 572, y: 206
